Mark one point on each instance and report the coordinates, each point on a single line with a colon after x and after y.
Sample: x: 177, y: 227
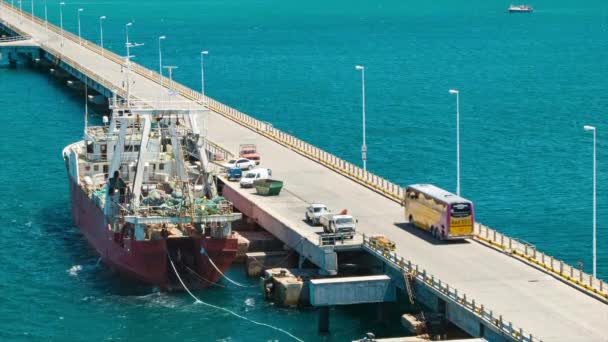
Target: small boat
x: 268, y: 187
x: 520, y: 9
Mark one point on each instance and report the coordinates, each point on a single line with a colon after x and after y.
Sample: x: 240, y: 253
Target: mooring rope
x: 220, y: 272
x: 212, y: 283
x: 198, y: 301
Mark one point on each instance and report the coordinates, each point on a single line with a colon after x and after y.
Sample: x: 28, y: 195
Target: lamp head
x: 103, y: 17
x: 589, y: 128
x: 204, y: 52
x: 62, y: 3
x: 129, y: 24
x: 453, y: 91
x: 359, y: 67
x: 162, y: 37
x: 80, y: 9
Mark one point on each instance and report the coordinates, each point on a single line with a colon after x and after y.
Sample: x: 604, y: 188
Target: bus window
x: 461, y: 210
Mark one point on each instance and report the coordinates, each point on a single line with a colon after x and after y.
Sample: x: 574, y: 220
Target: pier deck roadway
x: 529, y: 298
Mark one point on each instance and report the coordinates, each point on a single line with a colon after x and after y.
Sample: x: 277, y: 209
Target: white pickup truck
x: 314, y: 212
x: 338, y: 224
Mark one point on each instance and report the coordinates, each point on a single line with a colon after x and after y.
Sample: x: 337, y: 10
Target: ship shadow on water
x: 82, y: 262
x: 426, y: 236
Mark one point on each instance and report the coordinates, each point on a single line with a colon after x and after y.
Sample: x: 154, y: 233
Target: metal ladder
x: 408, y: 280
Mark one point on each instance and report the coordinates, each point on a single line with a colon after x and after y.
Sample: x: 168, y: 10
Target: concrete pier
x: 482, y: 290
x: 257, y: 262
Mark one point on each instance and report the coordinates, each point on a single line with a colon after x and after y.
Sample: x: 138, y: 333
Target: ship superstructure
x: 143, y: 194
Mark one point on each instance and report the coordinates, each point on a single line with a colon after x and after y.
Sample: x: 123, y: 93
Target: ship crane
x: 186, y: 141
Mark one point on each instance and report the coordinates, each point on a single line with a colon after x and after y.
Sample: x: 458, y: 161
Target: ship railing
x: 217, y: 151
x: 529, y: 253
x: 488, y: 317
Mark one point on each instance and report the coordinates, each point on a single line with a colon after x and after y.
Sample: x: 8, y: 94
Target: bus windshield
x: 461, y: 210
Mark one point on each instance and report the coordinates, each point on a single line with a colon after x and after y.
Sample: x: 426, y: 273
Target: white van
x: 255, y: 174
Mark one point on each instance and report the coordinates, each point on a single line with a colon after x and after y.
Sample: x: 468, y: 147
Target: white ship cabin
x: 95, y: 162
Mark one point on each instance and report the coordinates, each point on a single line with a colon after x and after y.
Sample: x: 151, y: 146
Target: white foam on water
x: 73, y: 271
x: 250, y: 302
x: 156, y: 299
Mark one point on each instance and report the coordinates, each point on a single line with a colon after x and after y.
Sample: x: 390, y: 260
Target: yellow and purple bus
x: 445, y: 215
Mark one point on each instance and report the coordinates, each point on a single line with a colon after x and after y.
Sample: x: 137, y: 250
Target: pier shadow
x: 426, y: 236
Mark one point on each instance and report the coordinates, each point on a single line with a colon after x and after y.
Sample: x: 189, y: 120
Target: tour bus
x: 444, y: 214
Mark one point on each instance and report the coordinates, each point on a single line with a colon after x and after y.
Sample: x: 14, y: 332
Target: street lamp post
x: 127, y: 61
x: 363, y: 146
x: 160, y: 68
x: 46, y: 21
x: 101, y: 19
x: 203, y: 53
x: 170, y: 68
x: 454, y: 91
x: 79, y: 36
x: 61, y: 4
x: 592, y: 129
x: 128, y: 46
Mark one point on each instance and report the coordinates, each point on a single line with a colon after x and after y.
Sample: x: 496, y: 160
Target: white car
x: 314, y: 212
x: 253, y: 175
x: 241, y: 163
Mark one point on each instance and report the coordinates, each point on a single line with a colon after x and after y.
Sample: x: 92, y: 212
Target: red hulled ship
x: 143, y: 195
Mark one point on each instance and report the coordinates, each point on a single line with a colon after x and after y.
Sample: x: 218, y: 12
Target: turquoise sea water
x: 528, y: 84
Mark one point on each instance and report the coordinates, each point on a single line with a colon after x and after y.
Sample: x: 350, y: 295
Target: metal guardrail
x: 450, y: 294
x: 332, y: 239
x: 14, y: 39
x: 72, y: 63
x: 546, y: 262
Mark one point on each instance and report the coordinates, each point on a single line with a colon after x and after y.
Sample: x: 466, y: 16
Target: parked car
x: 241, y: 163
x: 234, y: 174
x: 253, y: 175
x: 249, y: 151
x: 314, y: 212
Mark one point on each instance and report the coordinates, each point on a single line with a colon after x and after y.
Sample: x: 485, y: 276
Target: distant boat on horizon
x: 520, y: 9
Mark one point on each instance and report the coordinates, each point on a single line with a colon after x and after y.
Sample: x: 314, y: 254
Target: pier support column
x: 442, y: 310
x: 324, y: 319
x: 380, y: 316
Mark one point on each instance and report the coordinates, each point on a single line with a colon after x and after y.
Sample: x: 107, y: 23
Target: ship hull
x: 149, y: 261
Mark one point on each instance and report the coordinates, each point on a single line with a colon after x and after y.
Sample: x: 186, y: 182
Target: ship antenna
x: 86, y: 105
